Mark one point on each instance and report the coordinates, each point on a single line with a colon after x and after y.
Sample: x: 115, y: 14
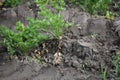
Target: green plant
x: 24, y: 38
x: 109, y: 15
x: 116, y: 61
x: 94, y: 36
x: 93, y: 6
x: 57, y: 4
x: 104, y: 73
x: 52, y: 19
x: 12, y: 3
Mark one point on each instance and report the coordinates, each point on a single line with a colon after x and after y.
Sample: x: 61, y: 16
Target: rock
x: 77, y: 17
x: 88, y: 44
x: 76, y: 64
x: 97, y: 26
x: 116, y: 26
x: 116, y: 23
x: 81, y: 19
x: 23, y: 12
x: 8, y: 18
x: 75, y: 32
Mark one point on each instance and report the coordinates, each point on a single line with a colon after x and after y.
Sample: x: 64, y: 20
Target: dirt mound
x: 83, y: 51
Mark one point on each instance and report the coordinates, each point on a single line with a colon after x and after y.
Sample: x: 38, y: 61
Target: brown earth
x: 85, y: 48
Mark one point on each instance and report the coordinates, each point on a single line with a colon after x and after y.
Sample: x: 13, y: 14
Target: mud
x: 85, y: 48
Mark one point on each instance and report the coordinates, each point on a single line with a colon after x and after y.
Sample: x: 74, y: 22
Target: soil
x: 84, y: 50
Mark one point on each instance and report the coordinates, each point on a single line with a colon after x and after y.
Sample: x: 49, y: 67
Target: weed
x: 94, y: 36
x: 55, y: 20
x: 24, y: 38
x: 116, y: 64
x: 12, y: 3
x: 93, y: 6
x: 109, y: 15
x: 104, y: 73
x: 57, y: 4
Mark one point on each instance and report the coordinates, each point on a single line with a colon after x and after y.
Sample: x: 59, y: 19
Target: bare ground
x: 85, y: 48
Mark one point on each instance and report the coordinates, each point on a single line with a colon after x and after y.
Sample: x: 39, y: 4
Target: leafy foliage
x: 12, y: 3
x: 57, y: 4
x: 116, y: 64
x: 24, y: 38
x: 93, y: 6
x: 104, y: 73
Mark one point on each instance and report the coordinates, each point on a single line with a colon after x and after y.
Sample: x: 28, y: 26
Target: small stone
x: 4, y: 9
x: 76, y: 64
x: 116, y: 23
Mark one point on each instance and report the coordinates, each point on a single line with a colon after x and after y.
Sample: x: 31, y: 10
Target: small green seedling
x: 104, y: 73
x: 116, y: 62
